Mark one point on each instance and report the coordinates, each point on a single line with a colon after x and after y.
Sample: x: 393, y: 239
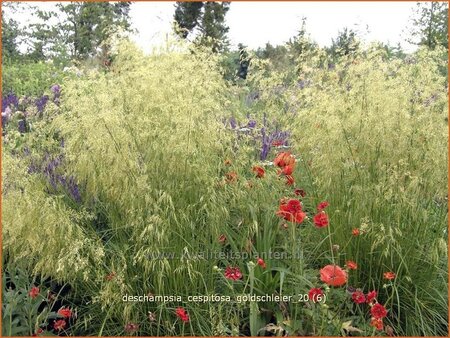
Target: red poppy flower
x: 131, y: 327
x: 289, y: 180
x: 351, y: 265
x: 371, y: 296
x: 315, y: 295
x: 283, y: 159
x: 233, y: 273
x: 66, y: 313
x: 59, y: 324
x: 333, y: 275
x: 377, y: 323
x: 300, y: 192
x: 222, y: 239
x: 182, y: 314
x: 358, y: 297
x: 378, y: 311
x: 288, y: 170
x: 259, y: 171
x: 322, y: 205
x: 389, y: 275
x: 321, y: 219
x: 355, y: 232
x: 34, y: 292
x: 261, y: 263
x: 231, y: 176
x: 291, y: 210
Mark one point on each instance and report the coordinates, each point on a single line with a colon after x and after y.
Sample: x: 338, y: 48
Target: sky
x: 256, y: 23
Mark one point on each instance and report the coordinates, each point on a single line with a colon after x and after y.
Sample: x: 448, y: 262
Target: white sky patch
x: 256, y: 23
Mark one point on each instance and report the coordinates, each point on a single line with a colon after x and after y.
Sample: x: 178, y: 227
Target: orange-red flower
x: 378, y: 311
x: 322, y: 205
x: 59, y: 324
x: 261, y: 263
x: 377, y: 323
x: 288, y: 170
x: 259, y: 171
x: 38, y: 332
x: 355, y: 232
x: 231, y: 176
x: 284, y: 159
x: 110, y: 276
x: 320, y: 219
x: 333, y: 275
x: 222, y: 239
x: 300, y: 192
x: 389, y: 275
x: 351, y: 265
x: 371, y: 296
x: 34, y: 292
x: 289, y: 180
x: 315, y: 294
x: 233, y: 273
x: 182, y: 314
x: 227, y: 162
x: 66, y: 313
x: 291, y: 210
x: 358, y: 297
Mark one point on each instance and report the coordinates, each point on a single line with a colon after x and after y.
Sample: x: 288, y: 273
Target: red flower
x: 261, y: 263
x: 66, y: 313
x: 377, y: 323
x: 59, y: 324
x: 277, y: 143
x: 291, y: 210
x: 34, y: 292
x: 288, y: 170
x: 333, y: 275
x: 233, y: 273
x: 222, y: 239
x: 283, y: 159
x: 315, y: 295
x: 289, y: 180
x: 378, y: 311
x: 389, y: 275
x: 355, y: 232
x: 351, y: 265
x: 322, y: 205
x: 231, y: 176
x: 182, y: 314
x: 37, y: 333
x: 371, y: 296
x: 358, y: 297
x: 111, y: 276
x: 300, y: 192
x: 131, y: 327
x: 321, y: 219
x: 259, y: 171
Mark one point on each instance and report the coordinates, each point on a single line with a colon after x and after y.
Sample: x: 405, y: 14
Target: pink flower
x: 233, y: 273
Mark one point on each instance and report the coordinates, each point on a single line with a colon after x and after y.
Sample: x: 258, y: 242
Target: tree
x: 346, y: 43
x: 430, y: 24
x: 187, y: 15
x: 208, y: 17
x: 81, y: 30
